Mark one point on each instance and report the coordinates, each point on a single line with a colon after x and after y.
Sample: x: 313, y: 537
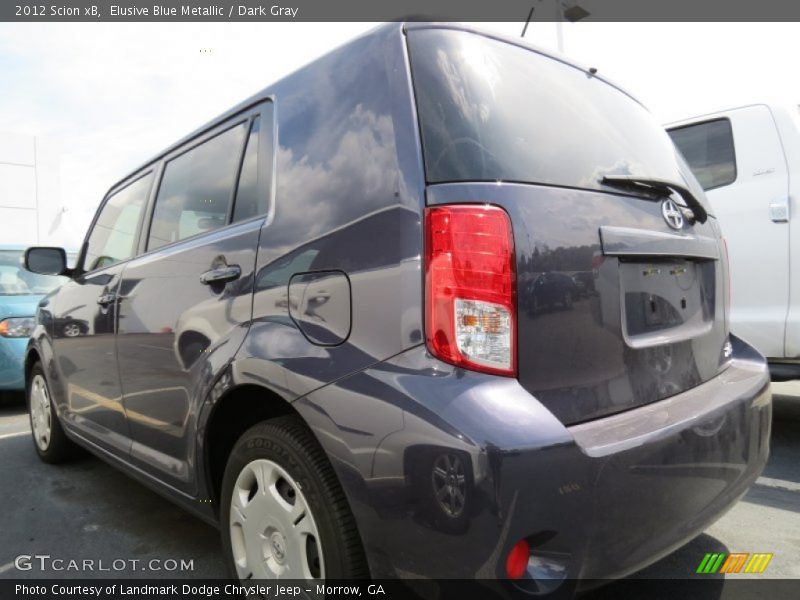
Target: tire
x: 284, y: 452
x: 51, y: 443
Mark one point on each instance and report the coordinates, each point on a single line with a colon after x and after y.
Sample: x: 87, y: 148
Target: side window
x: 113, y: 238
x: 196, y: 189
x: 708, y: 148
x: 248, y: 201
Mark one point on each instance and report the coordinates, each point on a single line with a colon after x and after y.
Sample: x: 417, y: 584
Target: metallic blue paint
x: 602, y: 470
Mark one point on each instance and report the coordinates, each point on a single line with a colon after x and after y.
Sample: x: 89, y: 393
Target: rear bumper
x: 597, y: 500
x: 12, y: 357
x: 663, y: 473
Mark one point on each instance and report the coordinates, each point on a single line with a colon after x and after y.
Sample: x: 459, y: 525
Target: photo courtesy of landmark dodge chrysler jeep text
x: 343, y: 323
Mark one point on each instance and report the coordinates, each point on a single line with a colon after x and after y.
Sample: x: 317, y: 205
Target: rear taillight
x: 469, y: 287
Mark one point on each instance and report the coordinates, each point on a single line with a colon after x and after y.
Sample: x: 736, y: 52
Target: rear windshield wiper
x: 660, y: 187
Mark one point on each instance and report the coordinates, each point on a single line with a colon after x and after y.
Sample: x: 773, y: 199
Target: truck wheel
x: 283, y: 513
x: 52, y: 444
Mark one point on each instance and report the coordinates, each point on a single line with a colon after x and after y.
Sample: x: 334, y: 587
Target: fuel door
x: 321, y: 306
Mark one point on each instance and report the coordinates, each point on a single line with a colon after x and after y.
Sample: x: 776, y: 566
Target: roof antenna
x: 528, y: 20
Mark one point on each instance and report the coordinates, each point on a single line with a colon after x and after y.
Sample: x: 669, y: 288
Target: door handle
x: 107, y: 299
x: 779, y: 211
x: 221, y: 275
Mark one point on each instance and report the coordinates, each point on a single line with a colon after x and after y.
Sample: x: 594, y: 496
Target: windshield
x: 15, y: 280
x: 493, y: 111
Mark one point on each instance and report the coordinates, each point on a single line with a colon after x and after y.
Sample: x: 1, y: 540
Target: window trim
x: 733, y: 148
x: 235, y: 196
x: 127, y: 182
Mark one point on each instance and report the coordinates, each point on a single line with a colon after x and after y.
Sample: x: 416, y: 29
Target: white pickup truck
x: 748, y: 161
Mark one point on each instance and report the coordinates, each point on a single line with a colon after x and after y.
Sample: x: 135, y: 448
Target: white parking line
x: 11, y: 435
x: 778, y: 483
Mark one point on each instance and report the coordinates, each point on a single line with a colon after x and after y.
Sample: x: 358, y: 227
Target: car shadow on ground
x: 11, y: 402
x: 782, y: 468
x: 87, y: 509
x: 674, y: 576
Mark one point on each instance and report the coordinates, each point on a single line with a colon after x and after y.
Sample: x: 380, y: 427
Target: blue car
x: 20, y: 293
x: 305, y: 323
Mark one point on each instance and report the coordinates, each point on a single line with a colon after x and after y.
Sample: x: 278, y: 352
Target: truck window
x: 708, y: 148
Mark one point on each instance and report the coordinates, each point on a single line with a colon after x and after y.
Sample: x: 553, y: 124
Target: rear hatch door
x: 620, y: 280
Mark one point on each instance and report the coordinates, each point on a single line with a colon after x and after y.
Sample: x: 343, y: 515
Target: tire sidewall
x: 273, y: 444
x: 37, y: 370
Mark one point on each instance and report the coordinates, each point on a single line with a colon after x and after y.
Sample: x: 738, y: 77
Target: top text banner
x: 395, y: 10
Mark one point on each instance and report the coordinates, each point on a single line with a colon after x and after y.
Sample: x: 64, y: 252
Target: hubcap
x: 72, y: 330
x: 273, y: 532
x: 40, y: 412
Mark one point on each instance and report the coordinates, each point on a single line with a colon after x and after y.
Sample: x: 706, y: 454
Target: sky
x: 111, y: 95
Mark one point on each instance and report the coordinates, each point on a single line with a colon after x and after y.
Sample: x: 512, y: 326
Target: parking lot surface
x: 87, y: 509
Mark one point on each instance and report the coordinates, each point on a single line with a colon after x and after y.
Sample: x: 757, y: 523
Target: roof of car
x: 266, y: 93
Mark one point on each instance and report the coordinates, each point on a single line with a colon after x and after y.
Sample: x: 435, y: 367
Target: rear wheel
x: 283, y: 512
x: 52, y: 444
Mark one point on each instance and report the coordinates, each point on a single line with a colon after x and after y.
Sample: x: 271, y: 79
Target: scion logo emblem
x: 278, y: 544
x: 672, y: 214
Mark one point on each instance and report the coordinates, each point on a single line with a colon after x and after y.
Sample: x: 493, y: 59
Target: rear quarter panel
x: 349, y: 195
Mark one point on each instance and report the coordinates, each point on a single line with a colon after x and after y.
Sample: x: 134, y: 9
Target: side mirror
x: 46, y: 260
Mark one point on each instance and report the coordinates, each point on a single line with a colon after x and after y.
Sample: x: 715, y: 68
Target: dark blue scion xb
x: 307, y: 323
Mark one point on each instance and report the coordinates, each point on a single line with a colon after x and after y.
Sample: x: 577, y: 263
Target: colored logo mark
x: 737, y: 562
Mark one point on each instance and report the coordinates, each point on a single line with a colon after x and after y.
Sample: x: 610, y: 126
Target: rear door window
x: 197, y: 188
x: 113, y: 237
x: 708, y: 148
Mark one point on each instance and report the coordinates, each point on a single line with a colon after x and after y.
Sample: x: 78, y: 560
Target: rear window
x: 493, y: 111
x: 708, y: 148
